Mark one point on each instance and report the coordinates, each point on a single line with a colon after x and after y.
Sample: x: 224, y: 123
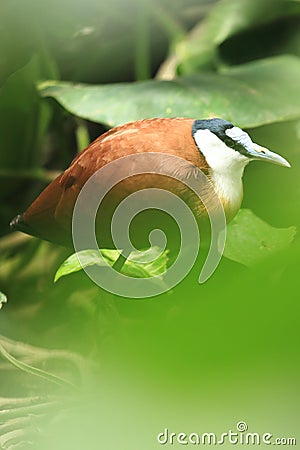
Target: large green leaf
x: 250, y: 239
x: 226, y: 19
x: 250, y: 95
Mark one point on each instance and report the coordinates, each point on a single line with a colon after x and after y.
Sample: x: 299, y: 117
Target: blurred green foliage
x: 209, y: 355
x: 260, y: 242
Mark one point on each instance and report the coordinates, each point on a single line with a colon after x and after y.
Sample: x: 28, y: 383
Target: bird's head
x: 226, y: 146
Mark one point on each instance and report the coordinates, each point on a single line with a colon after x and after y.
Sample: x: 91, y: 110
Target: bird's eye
x: 239, y: 136
x: 230, y: 143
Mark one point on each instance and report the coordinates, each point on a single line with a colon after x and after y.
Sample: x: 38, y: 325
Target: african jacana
x: 220, y: 149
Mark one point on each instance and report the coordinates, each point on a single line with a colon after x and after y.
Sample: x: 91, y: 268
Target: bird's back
x: 49, y: 216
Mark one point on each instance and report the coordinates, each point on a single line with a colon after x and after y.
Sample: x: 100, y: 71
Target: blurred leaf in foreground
x: 250, y: 239
x: 134, y: 266
x: 249, y: 95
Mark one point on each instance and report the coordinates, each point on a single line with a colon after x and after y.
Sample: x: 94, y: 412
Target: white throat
x: 226, y: 169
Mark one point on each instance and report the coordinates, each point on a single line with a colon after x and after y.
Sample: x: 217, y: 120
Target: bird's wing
x: 51, y: 212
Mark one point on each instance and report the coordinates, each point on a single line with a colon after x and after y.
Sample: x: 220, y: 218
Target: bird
x: 216, y: 146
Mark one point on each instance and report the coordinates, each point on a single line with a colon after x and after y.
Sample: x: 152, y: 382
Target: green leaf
x: 137, y: 263
x: 135, y: 266
x: 3, y: 299
x: 87, y: 258
x: 250, y: 239
x: 250, y: 95
x: 227, y: 18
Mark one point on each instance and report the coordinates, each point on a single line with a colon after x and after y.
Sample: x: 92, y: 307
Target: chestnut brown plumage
x: 215, y: 146
x: 49, y: 216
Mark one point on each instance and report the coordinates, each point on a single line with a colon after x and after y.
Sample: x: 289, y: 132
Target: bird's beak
x: 262, y: 153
